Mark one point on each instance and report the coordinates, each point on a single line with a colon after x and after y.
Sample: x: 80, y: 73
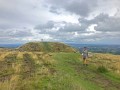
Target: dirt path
x: 28, y: 68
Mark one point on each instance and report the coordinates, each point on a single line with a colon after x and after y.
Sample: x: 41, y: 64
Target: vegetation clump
x: 102, y: 69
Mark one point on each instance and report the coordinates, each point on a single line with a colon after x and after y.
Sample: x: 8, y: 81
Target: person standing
x: 85, y: 56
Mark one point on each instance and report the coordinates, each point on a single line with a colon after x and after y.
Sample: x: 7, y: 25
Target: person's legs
x: 84, y: 61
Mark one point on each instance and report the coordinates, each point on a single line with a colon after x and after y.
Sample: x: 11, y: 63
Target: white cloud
x: 59, y: 20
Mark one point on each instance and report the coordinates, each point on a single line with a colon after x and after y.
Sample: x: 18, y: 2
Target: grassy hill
x: 25, y: 70
x: 46, y: 47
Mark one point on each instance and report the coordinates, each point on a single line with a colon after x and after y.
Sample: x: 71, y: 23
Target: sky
x: 71, y: 21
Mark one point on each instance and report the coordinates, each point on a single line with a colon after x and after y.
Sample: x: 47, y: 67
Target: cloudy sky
x: 74, y: 21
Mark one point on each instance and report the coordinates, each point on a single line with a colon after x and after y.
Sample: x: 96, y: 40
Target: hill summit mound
x: 46, y: 47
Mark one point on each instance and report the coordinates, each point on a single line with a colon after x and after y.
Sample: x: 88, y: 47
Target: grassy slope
x: 51, y: 71
x: 88, y: 77
x: 46, y: 47
x: 75, y: 81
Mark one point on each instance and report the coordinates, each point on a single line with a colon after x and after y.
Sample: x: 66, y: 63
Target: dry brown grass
x: 23, y: 66
x: 112, y: 62
x: 3, y: 54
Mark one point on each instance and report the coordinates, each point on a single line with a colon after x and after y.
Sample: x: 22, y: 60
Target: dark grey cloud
x: 70, y: 27
x: 54, y: 10
x: 79, y: 7
x: 52, y: 27
x: 82, y: 8
x: 108, y: 24
x: 48, y: 25
x: 15, y: 33
x: 104, y: 23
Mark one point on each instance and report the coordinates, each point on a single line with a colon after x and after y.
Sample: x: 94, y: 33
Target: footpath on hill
x: 50, y: 71
x: 83, y: 78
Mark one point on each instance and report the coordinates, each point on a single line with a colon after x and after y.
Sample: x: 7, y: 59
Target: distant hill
x: 46, y: 47
x: 2, y: 49
x: 98, y: 48
x: 10, y: 45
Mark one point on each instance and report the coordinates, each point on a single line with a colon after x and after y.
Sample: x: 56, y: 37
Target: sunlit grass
x: 51, y: 71
x: 111, y: 62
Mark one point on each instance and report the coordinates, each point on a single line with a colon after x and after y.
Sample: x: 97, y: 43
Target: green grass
x: 87, y: 78
x: 112, y: 76
x: 67, y: 70
x: 53, y: 71
x: 47, y: 47
x: 102, y: 69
